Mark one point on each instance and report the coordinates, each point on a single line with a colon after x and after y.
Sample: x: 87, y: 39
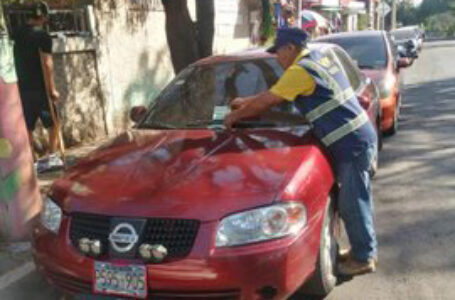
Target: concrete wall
x: 133, y: 58
x: 82, y: 111
x: 127, y: 62
x: 81, y: 105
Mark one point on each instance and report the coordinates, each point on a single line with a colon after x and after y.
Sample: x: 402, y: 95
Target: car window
x: 393, y: 48
x: 200, y: 95
x: 404, y: 34
x: 369, y: 52
x: 347, y: 65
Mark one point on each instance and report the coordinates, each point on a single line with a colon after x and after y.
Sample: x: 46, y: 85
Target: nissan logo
x: 123, y: 237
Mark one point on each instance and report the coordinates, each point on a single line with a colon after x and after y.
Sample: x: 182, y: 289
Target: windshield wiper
x: 240, y: 124
x: 156, y: 125
x: 254, y: 124
x: 209, y: 123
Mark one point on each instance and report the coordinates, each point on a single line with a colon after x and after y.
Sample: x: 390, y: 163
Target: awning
x: 311, y: 19
x: 355, y: 7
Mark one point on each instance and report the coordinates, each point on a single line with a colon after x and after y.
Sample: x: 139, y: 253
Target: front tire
x: 394, y: 127
x: 324, y: 278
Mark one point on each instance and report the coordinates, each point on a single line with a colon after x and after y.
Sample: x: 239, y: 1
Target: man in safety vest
x: 323, y: 94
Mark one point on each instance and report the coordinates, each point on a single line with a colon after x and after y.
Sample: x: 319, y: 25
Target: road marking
x: 16, y: 274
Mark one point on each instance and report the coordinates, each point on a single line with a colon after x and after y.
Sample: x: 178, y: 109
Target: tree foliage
x: 407, y: 14
x: 443, y: 24
x: 433, y: 13
x: 429, y: 8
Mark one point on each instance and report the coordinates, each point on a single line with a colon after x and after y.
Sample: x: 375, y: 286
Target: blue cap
x: 285, y: 36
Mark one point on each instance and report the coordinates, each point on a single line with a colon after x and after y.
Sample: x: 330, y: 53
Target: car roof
x: 250, y: 54
x: 406, y: 28
x: 255, y: 53
x: 364, y: 33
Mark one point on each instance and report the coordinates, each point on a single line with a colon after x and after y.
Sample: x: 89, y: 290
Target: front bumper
x: 243, y: 272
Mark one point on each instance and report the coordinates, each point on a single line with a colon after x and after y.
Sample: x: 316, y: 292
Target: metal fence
x: 70, y: 22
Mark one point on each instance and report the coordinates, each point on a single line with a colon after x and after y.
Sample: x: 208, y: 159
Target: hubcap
x: 329, y: 252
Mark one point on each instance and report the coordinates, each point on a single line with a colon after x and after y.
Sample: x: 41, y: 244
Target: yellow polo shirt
x: 295, y: 81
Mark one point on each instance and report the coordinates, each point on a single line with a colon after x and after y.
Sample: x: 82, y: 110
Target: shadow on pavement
x: 419, y: 162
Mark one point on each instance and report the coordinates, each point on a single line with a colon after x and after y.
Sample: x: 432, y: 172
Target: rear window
x: 405, y: 34
x: 369, y: 52
x: 350, y: 70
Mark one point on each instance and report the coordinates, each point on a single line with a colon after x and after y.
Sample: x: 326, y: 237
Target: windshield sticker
x: 220, y: 112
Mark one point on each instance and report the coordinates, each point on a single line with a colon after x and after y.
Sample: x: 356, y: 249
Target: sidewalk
x: 45, y: 180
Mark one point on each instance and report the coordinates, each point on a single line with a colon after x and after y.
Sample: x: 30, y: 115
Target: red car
x: 376, y: 56
x: 179, y: 208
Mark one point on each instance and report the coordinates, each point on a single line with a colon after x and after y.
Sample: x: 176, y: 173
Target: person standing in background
x: 35, y: 71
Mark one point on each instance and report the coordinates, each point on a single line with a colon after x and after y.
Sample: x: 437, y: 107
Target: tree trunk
x: 187, y: 41
x: 181, y: 34
x: 205, y: 26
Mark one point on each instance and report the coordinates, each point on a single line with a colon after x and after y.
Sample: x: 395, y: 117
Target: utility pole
x: 2, y: 20
x: 299, y: 10
x: 370, y: 13
x: 378, y: 19
x: 394, y: 14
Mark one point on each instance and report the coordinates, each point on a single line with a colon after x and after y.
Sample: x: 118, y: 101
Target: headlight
x: 386, y: 86
x: 51, y: 216
x: 261, y: 224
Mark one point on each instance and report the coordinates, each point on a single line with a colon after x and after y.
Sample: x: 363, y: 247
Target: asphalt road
x: 415, y: 190
x: 414, y: 196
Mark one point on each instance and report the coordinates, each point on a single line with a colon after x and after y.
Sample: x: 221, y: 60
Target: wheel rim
x: 329, y: 252
x: 397, y: 113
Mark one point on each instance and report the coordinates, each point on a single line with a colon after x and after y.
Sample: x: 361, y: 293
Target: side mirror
x: 137, y: 113
x: 403, y: 63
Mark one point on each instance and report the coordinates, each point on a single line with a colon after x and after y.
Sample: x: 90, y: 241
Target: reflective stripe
x: 333, y: 84
x: 330, y: 105
x: 333, y: 70
x: 344, y: 130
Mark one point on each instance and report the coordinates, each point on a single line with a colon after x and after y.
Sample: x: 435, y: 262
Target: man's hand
x: 55, y: 95
x: 238, y: 103
x: 230, y: 119
x: 250, y: 107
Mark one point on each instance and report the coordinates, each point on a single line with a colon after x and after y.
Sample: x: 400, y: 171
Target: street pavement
x: 414, y: 196
x: 415, y: 190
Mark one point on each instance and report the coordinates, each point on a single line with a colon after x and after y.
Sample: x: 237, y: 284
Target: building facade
x: 117, y: 57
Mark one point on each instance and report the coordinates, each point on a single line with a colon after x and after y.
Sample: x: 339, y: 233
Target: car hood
x: 201, y: 174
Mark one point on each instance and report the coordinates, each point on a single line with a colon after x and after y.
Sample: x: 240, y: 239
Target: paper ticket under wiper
x: 220, y: 112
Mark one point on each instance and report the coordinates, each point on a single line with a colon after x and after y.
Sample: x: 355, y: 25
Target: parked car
x: 374, y: 53
x: 179, y: 208
x: 410, y: 35
x: 408, y: 50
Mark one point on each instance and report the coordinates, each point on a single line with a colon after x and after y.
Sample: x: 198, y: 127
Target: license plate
x: 121, y: 280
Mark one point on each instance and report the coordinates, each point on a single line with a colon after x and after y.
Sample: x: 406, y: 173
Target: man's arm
x: 295, y: 81
x: 251, y: 107
x: 48, y: 69
x: 45, y: 46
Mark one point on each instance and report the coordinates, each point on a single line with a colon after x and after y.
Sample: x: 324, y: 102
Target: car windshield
x: 199, y: 96
x: 368, y: 52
